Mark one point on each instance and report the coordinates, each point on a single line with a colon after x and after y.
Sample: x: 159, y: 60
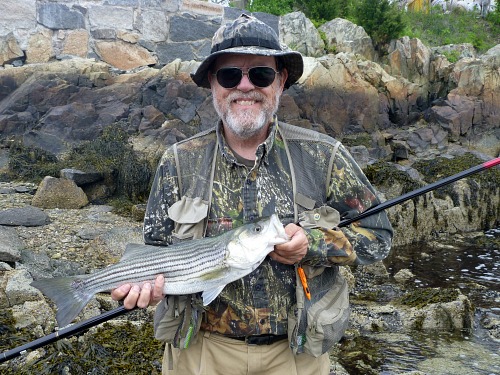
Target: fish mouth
x: 281, y: 236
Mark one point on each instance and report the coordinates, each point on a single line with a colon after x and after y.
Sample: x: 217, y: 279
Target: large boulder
x: 59, y: 193
x: 27, y: 216
x: 344, y: 36
x: 409, y: 58
x: 10, y: 245
x: 299, y: 33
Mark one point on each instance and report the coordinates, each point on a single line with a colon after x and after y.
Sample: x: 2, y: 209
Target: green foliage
x: 494, y: 17
x: 123, y: 349
x: 381, y: 20
x: 423, y: 297
x: 276, y: 7
x: 32, y: 164
x: 438, y: 28
x: 382, y: 173
x: 112, y: 155
x: 321, y: 11
x: 441, y: 167
x: 452, y: 56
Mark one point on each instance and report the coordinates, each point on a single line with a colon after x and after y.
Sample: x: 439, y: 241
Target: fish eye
x: 257, y: 228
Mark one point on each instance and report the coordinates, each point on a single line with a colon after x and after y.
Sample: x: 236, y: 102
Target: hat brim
x: 292, y: 61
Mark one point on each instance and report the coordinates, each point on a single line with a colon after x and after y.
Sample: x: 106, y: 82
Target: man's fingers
x: 144, y: 296
x: 120, y: 292
x: 158, y: 289
x: 133, y: 295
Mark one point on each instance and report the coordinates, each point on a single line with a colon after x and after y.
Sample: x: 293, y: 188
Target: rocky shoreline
x: 73, y: 241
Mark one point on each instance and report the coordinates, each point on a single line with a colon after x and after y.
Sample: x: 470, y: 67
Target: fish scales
x: 175, y: 266
x: 205, y: 265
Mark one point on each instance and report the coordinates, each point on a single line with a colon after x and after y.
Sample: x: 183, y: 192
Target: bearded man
x: 247, y: 167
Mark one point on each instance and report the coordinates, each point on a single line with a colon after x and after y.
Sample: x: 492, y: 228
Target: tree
x: 382, y: 20
x: 276, y: 7
x: 320, y: 11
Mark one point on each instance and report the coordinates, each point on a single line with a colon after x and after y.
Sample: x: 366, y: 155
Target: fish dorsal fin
x: 132, y: 250
x: 210, y: 294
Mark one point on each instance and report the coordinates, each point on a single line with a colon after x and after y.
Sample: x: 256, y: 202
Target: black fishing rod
x: 62, y: 333
x: 82, y: 326
x: 425, y: 189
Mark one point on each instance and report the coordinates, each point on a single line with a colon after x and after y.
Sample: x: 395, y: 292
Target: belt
x: 261, y: 339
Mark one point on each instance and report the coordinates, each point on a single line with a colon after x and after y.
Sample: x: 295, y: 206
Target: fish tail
x: 68, y: 293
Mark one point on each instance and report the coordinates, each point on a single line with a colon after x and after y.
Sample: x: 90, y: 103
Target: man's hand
x: 294, y: 250
x: 133, y: 295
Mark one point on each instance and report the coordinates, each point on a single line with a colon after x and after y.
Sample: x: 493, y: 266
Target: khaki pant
x: 214, y: 354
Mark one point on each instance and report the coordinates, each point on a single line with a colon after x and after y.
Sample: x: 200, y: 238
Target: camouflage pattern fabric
x: 260, y: 302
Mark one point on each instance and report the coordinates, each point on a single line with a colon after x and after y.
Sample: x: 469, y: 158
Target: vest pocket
x: 316, y: 325
x: 189, y: 215
x: 327, y: 319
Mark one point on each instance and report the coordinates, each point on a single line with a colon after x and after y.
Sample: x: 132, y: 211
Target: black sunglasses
x: 260, y: 76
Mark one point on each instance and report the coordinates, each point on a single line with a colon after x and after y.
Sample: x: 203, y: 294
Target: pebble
x: 71, y: 231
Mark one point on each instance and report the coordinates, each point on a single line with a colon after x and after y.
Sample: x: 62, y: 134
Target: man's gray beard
x: 244, y: 124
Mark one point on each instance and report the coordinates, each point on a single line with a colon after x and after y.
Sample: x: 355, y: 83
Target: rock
x: 27, y: 216
x: 59, y: 193
x: 9, y: 49
x: 403, y: 276
x: 454, y: 313
x: 18, y: 288
x: 410, y: 58
x: 298, y: 32
x: 345, y: 36
x: 123, y: 55
x: 19, y: 15
x: 40, y: 47
x: 112, y: 243
x: 31, y: 314
x: 138, y: 212
x: 59, y: 16
x: 4, y: 301
x: 458, y: 114
x: 478, y: 87
x: 377, y: 270
x: 361, y: 155
x: 460, y: 51
x: 400, y: 150
x: 152, y: 118
x: 10, y: 245
x: 80, y: 177
x: 76, y: 43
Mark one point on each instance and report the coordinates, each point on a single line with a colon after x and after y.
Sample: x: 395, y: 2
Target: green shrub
x: 381, y: 20
x: 276, y: 7
x: 31, y: 164
x: 438, y: 28
x: 113, y: 155
x: 110, y: 154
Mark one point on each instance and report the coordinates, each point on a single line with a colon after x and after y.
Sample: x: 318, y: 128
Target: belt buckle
x: 250, y: 343
x: 259, y: 340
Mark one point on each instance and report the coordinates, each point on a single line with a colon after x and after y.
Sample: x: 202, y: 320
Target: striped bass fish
x: 204, y: 265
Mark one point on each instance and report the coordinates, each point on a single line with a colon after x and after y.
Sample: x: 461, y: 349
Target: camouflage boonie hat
x: 247, y: 35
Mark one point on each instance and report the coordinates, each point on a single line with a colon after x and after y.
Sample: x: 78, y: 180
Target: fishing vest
x: 315, y: 324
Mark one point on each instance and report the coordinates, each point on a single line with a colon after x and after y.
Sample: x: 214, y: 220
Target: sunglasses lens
x: 260, y: 76
x: 229, y: 77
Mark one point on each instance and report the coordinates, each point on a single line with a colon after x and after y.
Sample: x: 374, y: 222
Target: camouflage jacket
x: 260, y: 302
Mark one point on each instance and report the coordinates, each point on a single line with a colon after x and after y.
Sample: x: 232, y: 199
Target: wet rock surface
x: 387, y: 311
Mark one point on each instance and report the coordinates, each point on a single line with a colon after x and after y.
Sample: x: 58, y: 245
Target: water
x: 471, y: 264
